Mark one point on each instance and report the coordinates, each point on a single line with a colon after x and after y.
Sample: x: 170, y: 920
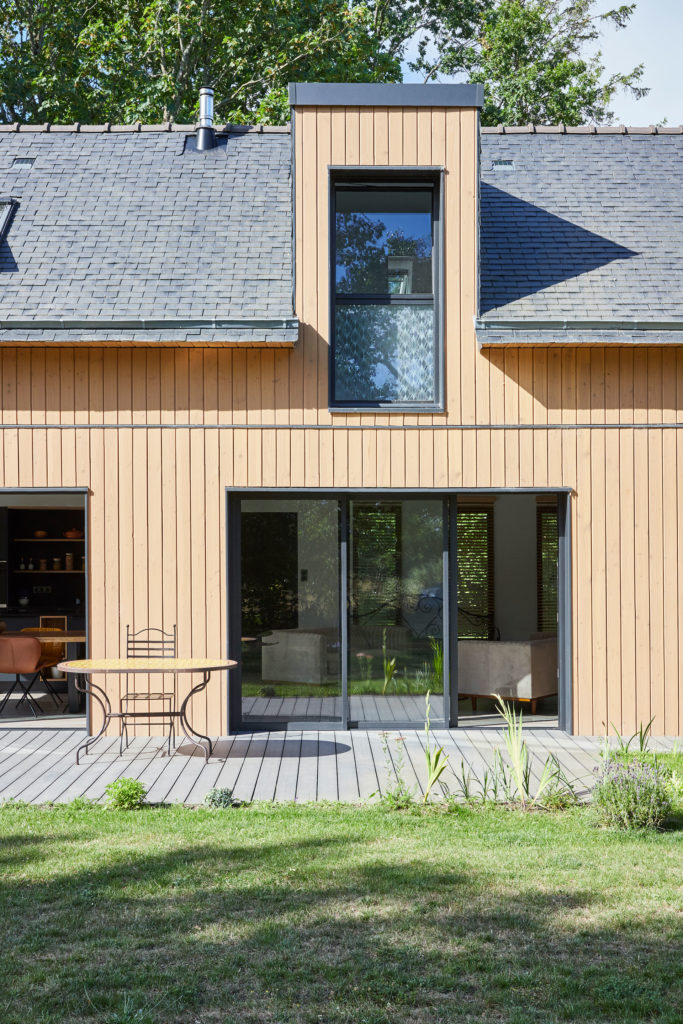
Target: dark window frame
x: 393, y: 178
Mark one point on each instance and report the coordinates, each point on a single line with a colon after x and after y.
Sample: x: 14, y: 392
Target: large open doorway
x: 44, y: 589
x: 347, y: 610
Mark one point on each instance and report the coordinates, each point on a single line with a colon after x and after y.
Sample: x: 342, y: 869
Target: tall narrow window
x: 546, y: 568
x: 475, y: 574
x: 384, y: 321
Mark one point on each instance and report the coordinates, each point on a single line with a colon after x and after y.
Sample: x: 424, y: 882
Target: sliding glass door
x: 353, y: 607
x: 290, y: 602
x: 395, y: 610
x: 341, y: 610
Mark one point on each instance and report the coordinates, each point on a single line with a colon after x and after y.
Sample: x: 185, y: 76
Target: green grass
x: 356, y: 687
x: 669, y: 759
x: 282, y: 914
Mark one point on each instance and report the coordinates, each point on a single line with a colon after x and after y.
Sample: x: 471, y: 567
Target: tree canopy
x: 101, y: 60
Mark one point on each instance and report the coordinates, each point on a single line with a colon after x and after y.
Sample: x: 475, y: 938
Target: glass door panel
x: 395, y: 595
x: 291, y: 660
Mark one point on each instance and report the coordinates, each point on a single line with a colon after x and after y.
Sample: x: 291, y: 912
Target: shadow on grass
x: 347, y: 926
x: 226, y: 749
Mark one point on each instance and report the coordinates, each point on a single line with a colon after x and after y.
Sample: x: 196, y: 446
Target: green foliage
x: 534, y: 59
x: 397, y: 795
x: 82, y: 803
x: 643, y: 736
x: 632, y: 795
x: 220, y: 797
x: 388, y: 664
x: 437, y: 663
x: 125, y: 794
x: 553, y: 785
x: 146, y: 59
x: 437, y: 760
x: 97, y: 61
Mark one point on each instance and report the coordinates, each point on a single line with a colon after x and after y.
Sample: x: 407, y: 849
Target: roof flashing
x: 376, y: 94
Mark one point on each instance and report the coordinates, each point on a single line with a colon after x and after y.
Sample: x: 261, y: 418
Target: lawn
x: 283, y: 914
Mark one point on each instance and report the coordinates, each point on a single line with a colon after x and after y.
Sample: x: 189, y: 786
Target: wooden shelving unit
x: 47, y: 572
x: 49, y: 540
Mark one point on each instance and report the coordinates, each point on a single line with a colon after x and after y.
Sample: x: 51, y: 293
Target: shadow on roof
x: 525, y: 249
x: 7, y: 260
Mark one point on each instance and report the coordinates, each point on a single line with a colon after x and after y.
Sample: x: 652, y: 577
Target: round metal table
x: 84, y: 669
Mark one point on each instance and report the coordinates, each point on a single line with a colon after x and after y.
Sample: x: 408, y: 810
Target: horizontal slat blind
x: 475, y: 573
x: 546, y: 569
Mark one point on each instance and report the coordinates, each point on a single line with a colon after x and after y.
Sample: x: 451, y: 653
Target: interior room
x: 43, y: 573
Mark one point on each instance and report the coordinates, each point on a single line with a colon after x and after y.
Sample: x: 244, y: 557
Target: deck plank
x: 347, y: 778
x: 307, y: 780
x: 285, y: 789
x: 266, y: 782
x: 366, y: 773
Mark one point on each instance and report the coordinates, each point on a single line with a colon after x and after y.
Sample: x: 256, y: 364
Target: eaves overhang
x: 248, y: 331
x: 501, y: 332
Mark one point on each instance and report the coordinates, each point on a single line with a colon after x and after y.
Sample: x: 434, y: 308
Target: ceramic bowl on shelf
x: 73, y: 534
x: 40, y: 533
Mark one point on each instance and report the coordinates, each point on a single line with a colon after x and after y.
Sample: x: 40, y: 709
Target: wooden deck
x: 37, y: 762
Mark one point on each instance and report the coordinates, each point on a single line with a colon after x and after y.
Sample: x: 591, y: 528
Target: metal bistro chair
x: 150, y: 642
x: 23, y: 656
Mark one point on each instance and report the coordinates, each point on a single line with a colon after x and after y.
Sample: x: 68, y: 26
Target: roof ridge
x: 137, y: 127
x: 582, y: 129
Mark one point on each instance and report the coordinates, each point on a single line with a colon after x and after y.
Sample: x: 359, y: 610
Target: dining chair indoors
x: 23, y: 656
x: 51, y: 655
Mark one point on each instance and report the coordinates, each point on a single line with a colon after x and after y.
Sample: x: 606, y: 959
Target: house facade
x: 381, y: 404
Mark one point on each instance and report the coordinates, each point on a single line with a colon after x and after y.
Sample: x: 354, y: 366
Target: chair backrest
x: 48, y: 650
x: 151, y: 642
x: 53, y: 621
x: 19, y: 654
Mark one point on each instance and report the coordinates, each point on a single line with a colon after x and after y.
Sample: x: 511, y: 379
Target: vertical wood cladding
x: 157, y: 473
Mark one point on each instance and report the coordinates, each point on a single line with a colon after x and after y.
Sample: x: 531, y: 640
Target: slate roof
x: 131, y: 235
x: 583, y: 229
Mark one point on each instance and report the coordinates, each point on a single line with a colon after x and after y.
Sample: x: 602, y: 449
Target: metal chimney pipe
x: 206, y: 137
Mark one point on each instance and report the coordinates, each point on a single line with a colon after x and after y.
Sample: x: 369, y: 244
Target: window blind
x: 475, y: 573
x: 546, y: 568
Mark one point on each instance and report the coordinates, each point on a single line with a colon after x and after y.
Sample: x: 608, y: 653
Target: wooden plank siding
x: 157, y: 434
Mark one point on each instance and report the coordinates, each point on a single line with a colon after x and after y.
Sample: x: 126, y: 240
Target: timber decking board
x: 285, y: 765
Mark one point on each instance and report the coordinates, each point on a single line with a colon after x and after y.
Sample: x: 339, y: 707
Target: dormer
x: 385, y: 187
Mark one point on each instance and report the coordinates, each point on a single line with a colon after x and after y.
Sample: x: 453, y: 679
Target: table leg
x: 184, y: 723
x: 86, y: 686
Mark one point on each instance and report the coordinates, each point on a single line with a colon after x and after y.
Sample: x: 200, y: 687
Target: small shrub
x: 219, y: 797
x: 125, y: 794
x: 632, y: 795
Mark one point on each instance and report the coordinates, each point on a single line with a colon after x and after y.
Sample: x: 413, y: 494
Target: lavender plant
x: 632, y: 795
